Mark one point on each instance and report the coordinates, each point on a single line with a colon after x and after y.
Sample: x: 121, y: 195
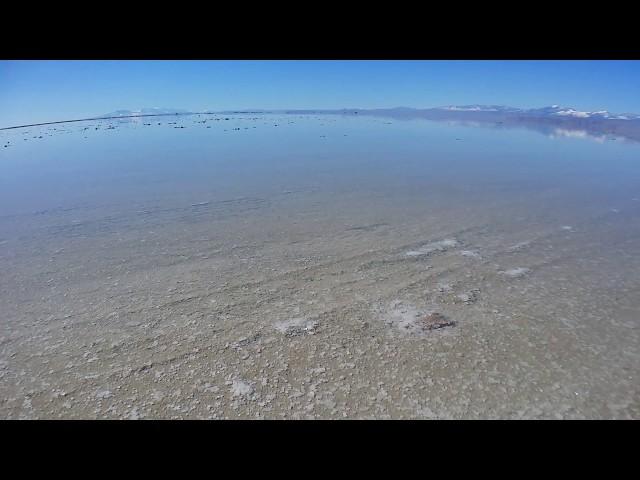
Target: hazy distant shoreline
x: 543, y: 120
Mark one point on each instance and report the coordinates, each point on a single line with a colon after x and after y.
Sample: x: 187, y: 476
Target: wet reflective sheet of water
x: 141, y: 246
x: 153, y: 161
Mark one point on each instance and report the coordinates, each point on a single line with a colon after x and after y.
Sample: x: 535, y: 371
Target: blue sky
x: 37, y: 91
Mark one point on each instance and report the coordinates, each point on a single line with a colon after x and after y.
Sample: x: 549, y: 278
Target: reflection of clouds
x: 130, y: 120
x: 134, y: 119
x: 563, y: 132
x: 595, y: 132
x: 549, y: 131
x: 136, y: 116
x: 466, y: 123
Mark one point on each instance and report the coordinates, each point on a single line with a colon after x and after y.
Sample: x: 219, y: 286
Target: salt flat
x: 284, y: 272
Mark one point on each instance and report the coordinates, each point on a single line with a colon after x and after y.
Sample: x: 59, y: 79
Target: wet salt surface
x: 429, y: 248
x: 516, y: 272
x: 253, y: 271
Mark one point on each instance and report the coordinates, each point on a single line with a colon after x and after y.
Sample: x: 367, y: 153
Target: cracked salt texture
x: 240, y: 388
x: 428, y: 249
x: 519, y: 246
x: 408, y: 319
x: 103, y: 394
x: 516, y: 272
x: 467, y: 297
x: 403, y: 317
x: 134, y: 414
x: 296, y: 326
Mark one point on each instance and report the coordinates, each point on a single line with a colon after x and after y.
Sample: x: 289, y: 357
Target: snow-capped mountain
x: 571, y: 112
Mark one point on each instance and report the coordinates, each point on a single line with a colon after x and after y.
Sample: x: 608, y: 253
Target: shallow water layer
x: 283, y: 266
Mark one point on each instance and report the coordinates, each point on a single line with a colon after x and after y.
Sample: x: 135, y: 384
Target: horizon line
x: 255, y: 111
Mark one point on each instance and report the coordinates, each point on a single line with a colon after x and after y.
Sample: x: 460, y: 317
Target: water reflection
x: 545, y: 129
